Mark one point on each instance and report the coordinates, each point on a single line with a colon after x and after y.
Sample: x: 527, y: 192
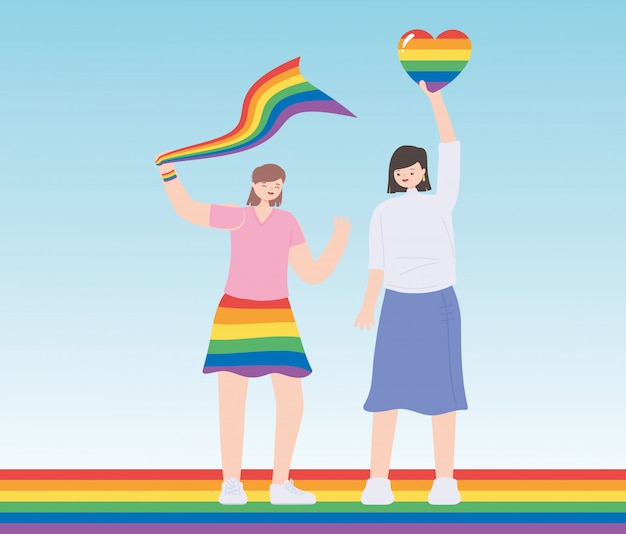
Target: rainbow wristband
x: 169, y: 176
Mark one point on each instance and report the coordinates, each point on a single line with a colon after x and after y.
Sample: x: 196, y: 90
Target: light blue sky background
x: 107, y: 297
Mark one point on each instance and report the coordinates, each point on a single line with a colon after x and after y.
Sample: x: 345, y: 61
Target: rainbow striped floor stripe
x: 185, y: 502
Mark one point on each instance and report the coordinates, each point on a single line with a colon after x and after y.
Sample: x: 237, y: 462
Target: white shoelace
x: 232, y: 487
x: 291, y: 488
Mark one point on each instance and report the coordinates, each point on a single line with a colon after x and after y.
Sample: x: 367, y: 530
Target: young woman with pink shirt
x: 254, y: 332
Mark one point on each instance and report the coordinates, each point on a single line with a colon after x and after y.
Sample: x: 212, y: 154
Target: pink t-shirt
x: 259, y: 252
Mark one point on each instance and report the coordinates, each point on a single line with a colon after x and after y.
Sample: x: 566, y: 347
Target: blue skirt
x: 417, y: 359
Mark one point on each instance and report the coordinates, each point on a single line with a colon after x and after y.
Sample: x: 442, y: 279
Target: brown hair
x: 266, y: 173
x: 404, y: 157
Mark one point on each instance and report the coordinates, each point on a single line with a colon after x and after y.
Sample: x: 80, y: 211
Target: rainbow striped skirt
x: 255, y: 338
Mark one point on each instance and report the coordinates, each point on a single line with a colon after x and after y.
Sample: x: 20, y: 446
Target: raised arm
x: 314, y: 271
x: 449, y: 171
x: 444, y: 124
x: 185, y: 206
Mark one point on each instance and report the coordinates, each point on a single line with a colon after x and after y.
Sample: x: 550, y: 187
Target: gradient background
x: 107, y: 297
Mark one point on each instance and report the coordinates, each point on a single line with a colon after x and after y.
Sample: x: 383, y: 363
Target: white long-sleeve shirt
x: 411, y: 236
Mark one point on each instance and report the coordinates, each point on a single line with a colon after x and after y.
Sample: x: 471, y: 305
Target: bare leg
x: 444, y: 427
x: 233, y: 389
x: 289, y: 407
x: 383, y: 430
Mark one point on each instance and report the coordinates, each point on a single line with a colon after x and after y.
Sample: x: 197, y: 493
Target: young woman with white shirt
x: 417, y: 358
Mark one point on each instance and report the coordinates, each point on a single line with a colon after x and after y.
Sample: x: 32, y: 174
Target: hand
x: 365, y: 319
x: 160, y: 156
x: 164, y: 168
x: 428, y: 93
x: 342, y: 226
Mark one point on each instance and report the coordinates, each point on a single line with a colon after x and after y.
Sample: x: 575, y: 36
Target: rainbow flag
x: 276, y: 97
x: 185, y: 502
x: 436, y: 61
x: 254, y: 338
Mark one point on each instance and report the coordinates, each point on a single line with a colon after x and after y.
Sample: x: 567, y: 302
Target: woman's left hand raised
x: 427, y: 92
x: 342, y: 226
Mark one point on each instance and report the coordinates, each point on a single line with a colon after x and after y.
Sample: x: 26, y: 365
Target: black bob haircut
x: 403, y: 157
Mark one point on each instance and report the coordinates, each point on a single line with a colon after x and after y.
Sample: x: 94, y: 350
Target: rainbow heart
x: 436, y: 61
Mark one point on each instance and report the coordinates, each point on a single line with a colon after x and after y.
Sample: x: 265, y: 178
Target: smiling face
x: 409, y: 177
x: 267, y: 185
x: 268, y: 191
x: 408, y: 169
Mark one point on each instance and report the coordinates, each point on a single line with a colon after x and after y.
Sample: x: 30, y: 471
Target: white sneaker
x: 287, y: 493
x: 377, y: 491
x: 444, y: 491
x: 232, y: 492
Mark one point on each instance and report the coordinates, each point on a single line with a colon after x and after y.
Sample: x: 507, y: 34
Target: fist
x: 164, y: 168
